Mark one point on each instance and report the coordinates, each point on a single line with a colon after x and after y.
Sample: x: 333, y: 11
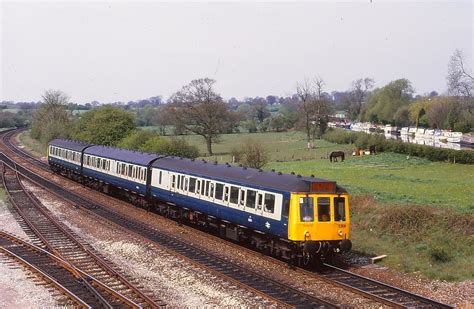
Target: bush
x: 174, y: 147
x: 439, y: 254
x: 251, y: 154
x: 363, y: 140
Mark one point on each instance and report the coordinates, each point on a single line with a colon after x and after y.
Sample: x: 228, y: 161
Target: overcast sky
x: 121, y: 51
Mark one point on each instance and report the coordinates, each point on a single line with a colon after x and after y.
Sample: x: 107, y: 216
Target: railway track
x: 367, y: 287
x: 265, y: 287
x: 59, y: 240
x: 76, y: 287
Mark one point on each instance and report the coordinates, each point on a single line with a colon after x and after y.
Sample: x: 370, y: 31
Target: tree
x: 460, y: 79
x: 383, y: 103
x: 51, y: 120
x: 200, y: 109
x: 105, y: 125
x: 358, y: 94
x: 252, y: 154
x: 313, y: 107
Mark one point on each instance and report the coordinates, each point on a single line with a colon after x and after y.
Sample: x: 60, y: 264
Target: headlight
x: 307, y: 234
x: 340, y: 233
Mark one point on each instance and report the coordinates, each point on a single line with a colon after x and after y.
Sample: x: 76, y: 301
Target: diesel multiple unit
x: 290, y: 216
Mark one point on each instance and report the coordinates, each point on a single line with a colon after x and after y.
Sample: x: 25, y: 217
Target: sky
x: 128, y: 50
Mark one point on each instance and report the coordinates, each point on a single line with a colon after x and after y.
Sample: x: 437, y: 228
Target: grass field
x: 283, y: 146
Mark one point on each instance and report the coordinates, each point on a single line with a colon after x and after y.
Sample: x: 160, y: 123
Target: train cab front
x: 319, y: 223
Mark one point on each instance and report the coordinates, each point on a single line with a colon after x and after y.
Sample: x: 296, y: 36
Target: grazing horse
x: 372, y: 149
x: 335, y: 154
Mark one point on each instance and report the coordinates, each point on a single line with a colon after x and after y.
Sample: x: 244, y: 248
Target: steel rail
x: 61, y: 237
x: 7, y: 244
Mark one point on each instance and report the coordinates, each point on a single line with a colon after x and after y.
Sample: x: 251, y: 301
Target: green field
x: 283, y: 146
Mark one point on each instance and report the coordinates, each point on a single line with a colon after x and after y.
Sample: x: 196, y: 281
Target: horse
x: 372, y: 149
x: 335, y: 154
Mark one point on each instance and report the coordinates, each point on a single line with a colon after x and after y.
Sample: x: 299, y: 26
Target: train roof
x: 224, y: 172
x: 69, y: 144
x: 130, y: 156
x: 250, y: 176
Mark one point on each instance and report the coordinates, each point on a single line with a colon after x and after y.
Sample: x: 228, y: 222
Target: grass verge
x: 34, y: 146
x: 435, y: 242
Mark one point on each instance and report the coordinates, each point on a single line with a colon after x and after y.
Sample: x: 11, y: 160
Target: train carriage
x: 286, y: 215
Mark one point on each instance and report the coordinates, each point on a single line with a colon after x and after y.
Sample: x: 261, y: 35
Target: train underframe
x: 309, y: 253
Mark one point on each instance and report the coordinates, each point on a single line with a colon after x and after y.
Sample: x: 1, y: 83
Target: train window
x: 226, y: 194
x: 306, y: 209
x: 206, y: 190
x: 259, y: 201
x: 323, y: 209
x: 251, y: 198
x: 134, y: 172
x: 144, y: 174
x: 185, y: 184
x: 198, y: 186
x: 286, y: 208
x: 173, y: 181
x: 242, y: 197
x: 269, y: 205
x: 104, y: 164
x: 203, y: 184
x: 219, y: 191
x: 211, y: 190
x: 159, y: 179
x: 234, y: 195
x: 192, y: 184
x: 339, y: 209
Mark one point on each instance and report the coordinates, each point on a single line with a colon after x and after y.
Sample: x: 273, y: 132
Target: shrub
x: 174, y: 147
x: 439, y: 254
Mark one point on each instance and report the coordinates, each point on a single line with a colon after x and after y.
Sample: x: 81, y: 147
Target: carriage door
x: 259, y: 209
x: 198, y: 188
x: 226, y: 194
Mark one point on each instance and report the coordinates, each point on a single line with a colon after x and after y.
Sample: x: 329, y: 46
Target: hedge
x: 364, y: 140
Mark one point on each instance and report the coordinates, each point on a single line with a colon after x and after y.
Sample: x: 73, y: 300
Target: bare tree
x: 253, y: 154
x: 313, y: 107
x: 359, y: 91
x: 460, y: 79
x: 199, y: 109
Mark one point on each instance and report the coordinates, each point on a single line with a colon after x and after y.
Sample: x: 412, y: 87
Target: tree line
x: 198, y: 108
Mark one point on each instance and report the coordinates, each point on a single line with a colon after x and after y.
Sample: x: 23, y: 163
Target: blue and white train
x: 290, y: 216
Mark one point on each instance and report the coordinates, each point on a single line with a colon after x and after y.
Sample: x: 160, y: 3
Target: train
x: 299, y: 219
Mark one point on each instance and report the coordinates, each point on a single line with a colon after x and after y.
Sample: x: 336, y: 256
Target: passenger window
x: 339, y: 209
x: 173, y: 181
x: 251, y: 198
x: 242, y: 197
x: 192, y: 184
x: 185, y: 187
x: 323, y: 209
x: 226, y: 194
x: 206, y: 190
x: 198, y: 186
x: 306, y: 209
x: 159, y: 180
x: 179, y: 182
x: 211, y: 190
x: 234, y: 195
x: 219, y: 191
x: 269, y: 205
x: 260, y: 201
x: 129, y: 171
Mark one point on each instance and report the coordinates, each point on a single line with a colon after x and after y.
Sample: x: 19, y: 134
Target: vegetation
x: 199, y: 109
x: 251, y: 154
x: 105, y: 125
x: 51, y: 120
x: 434, y: 242
x: 149, y: 141
x: 363, y: 140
